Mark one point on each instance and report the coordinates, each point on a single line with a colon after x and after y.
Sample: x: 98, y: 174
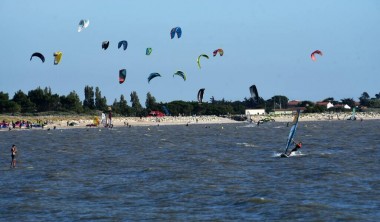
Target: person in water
x: 297, y: 147
x: 13, y: 155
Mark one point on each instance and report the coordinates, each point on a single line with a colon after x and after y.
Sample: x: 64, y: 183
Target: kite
x: 176, y: 30
x: 122, y: 75
x: 39, y: 55
x: 254, y: 94
x: 221, y: 52
x: 199, y: 57
x: 105, y: 45
x: 313, y: 54
x: 153, y: 75
x: 83, y: 24
x: 180, y: 73
x: 200, y: 95
x: 57, y: 57
x: 148, y: 51
x: 122, y: 43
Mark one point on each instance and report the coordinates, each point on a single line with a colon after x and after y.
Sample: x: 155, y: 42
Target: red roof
x: 321, y: 103
x: 294, y: 103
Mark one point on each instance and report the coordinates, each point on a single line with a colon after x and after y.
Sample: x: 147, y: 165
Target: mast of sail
x: 292, y: 132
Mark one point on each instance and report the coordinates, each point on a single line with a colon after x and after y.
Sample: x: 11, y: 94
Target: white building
x: 252, y: 112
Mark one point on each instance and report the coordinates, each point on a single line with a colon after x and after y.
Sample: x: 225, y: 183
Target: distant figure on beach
x: 110, y: 125
x: 13, y: 155
x: 298, y: 146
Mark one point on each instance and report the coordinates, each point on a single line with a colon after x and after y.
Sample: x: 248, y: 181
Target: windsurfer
x: 297, y: 146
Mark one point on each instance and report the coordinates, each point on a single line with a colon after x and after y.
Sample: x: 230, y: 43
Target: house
x: 293, y: 103
x: 322, y: 103
x: 251, y: 112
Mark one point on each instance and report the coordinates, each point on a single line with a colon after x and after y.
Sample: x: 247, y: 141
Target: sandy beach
x: 72, y: 121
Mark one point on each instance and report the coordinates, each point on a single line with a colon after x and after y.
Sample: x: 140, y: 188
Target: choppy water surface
x: 227, y: 172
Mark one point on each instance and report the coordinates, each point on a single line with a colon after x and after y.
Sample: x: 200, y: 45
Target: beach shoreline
x: 77, y: 121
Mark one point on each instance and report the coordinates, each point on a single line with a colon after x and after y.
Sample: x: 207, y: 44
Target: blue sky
x: 266, y: 43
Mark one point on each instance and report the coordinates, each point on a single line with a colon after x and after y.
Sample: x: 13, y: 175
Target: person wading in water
x: 13, y: 155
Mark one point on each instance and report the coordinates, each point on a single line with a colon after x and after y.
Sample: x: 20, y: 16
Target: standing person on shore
x: 110, y: 118
x: 13, y: 155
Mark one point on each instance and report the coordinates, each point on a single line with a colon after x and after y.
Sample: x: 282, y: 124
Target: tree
x: 150, y: 102
x: 8, y: 106
x: 115, y: 106
x: 22, y: 99
x: 306, y: 103
x: 136, y: 106
x: 123, y: 106
x: 180, y: 108
x: 71, y: 102
x: 364, y: 99
x: 53, y: 102
x: 89, y: 101
x: 44, y: 99
x: 37, y: 96
x: 374, y: 103
x: 100, y: 103
x: 315, y: 109
x: 4, y: 97
x: 277, y: 102
x: 239, y: 108
x: 212, y: 100
x: 13, y: 107
x: 349, y: 101
x: 331, y: 100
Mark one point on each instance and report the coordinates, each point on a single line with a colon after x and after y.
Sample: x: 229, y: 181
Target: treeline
x: 43, y: 100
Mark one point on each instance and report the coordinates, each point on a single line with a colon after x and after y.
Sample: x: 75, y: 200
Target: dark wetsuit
x: 298, y: 146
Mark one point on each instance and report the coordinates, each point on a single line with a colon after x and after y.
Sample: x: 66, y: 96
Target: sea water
x: 218, y: 172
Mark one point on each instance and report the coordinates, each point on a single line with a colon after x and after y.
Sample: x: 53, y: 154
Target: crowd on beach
x: 49, y: 122
x: 22, y: 124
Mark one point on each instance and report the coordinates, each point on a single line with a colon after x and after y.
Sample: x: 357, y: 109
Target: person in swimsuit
x: 13, y: 155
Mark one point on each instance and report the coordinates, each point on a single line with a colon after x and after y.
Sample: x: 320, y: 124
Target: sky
x: 266, y: 43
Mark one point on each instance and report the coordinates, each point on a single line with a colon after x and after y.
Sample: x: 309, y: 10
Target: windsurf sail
x: 292, y: 132
x: 166, y: 111
x: 353, y: 115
